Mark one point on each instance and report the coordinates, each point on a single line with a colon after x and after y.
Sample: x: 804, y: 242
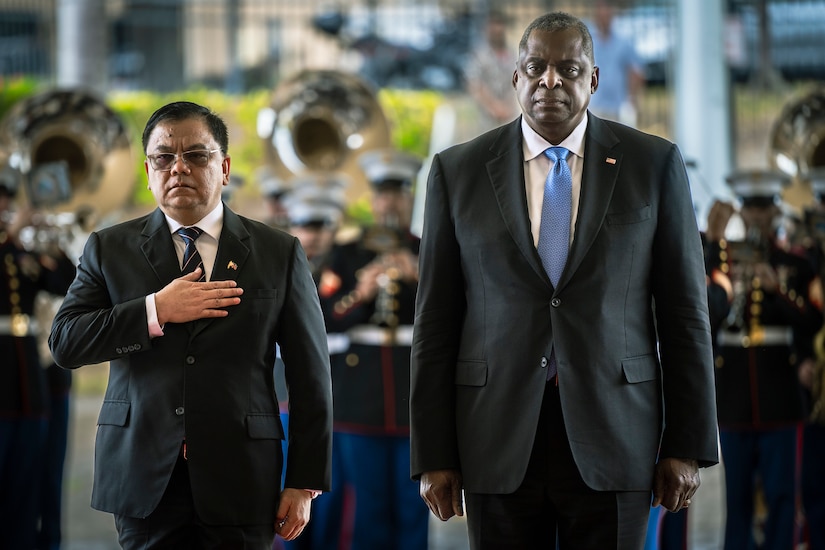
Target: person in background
x: 314, y: 212
x: 187, y: 304
x: 562, y: 370
x: 230, y: 191
x: 53, y: 455
x: 315, y: 208
x: 766, y: 336
x: 812, y: 378
x: 620, y: 68
x: 373, y: 305
x: 487, y: 75
x: 273, y: 191
x: 24, y: 394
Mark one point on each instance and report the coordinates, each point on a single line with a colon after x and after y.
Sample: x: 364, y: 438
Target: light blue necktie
x: 554, y: 231
x: 191, y: 256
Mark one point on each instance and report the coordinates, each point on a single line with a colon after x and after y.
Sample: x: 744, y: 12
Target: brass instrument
x: 385, y: 240
x: 797, y: 143
x: 815, y: 231
x: 740, y: 259
x: 72, y: 157
x: 69, y: 157
x: 797, y: 147
x: 321, y: 121
x: 818, y: 389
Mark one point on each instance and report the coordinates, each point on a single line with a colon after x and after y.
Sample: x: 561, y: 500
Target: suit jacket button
x: 179, y: 411
x: 543, y: 362
x: 190, y: 360
x: 555, y: 302
x: 119, y: 350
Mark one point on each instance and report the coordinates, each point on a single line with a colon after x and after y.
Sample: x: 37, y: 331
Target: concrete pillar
x: 702, y: 101
x: 82, y: 44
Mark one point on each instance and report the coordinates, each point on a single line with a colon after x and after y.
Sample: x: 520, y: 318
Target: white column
x: 702, y: 104
x: 82, y: 46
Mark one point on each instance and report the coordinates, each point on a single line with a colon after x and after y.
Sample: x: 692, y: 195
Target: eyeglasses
x: 198, y: 158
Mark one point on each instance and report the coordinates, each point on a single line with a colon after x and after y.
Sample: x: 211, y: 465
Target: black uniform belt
x: 759, y: 336
x: 18, y: 324
x: 370, y: 335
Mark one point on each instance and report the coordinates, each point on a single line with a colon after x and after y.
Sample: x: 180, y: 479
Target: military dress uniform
x: 318, y: 202
x: 371, y: 381
x: 371, y: 385
x: 758, y: 348
x: 23, y: 385
x: 813, y: 447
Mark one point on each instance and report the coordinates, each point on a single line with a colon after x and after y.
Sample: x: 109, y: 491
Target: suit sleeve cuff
x: 155, y: 329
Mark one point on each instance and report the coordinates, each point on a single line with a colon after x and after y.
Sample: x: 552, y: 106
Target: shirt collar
x: 535, y: 145
x: 211, y: 224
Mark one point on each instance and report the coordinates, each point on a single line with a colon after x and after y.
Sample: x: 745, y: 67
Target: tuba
x: 72, y: 159
x: 797, y: 144
x: 797, y: 147
x: 321, y: 121
x: 68, y: 155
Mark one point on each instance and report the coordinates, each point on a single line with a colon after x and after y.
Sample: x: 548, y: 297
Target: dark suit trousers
x: 554, y: 504
x: 175, y: 524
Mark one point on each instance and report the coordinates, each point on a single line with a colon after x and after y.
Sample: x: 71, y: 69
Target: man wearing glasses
x: 188, y: 303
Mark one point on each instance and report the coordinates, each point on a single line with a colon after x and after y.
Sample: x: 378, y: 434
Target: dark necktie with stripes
x: 191, y: 256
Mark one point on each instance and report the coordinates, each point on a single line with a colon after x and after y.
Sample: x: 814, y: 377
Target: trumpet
x: 797, y: 147
x: 739, y: 261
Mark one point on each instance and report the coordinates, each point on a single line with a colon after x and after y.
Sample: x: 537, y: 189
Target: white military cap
x: 320, y: 187
x: 270, y: 184
x: 389, y: 168
x: 758, y: 184
x: 316, y: 198
x: 301, y: 212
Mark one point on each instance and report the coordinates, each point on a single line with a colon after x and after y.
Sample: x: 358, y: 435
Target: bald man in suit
x: 188, y: 451
x: 561, y: 408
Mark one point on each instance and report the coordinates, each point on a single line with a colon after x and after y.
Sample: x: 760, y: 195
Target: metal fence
x: 238, y: 45
x: 168, y: 44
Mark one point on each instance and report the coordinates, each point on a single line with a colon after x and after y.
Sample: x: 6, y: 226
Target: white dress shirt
x: 537, y: 166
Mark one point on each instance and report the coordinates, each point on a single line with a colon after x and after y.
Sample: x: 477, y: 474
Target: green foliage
x: 14, y: 89
x: 410, y: 114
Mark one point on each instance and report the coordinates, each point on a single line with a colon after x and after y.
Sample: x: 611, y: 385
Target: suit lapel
x: 601, y: 168
x: 158, y: 248
x: 506, y: 172
x: 232, y: 249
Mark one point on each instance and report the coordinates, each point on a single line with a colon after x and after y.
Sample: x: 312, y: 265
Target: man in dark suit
x: 188, y: 450
x: 559, y: 405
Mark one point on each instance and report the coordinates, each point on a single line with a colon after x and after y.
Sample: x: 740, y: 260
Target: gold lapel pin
x: 610, y: 160
x: 232, y: 265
